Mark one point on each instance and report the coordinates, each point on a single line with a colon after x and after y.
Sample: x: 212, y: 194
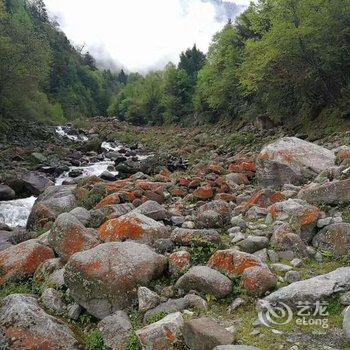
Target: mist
x: 141, y: 35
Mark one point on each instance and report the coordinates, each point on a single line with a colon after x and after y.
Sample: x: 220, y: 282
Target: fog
x: 141, y: 35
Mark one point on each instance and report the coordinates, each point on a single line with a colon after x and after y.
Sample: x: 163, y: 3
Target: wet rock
x: 107, y: 175
x: 334, y: 239
x: 334, y: 193
x: 105, y: 279
x: 200, y: 237
x: 147, y: 299
x: 205, y: 334
x: 35, y: 183
x: 258, y: 280
x: 205, y: 280
x: 69, y: 236
x: 29, y: 326
x: 133, y: 226
x: 54, y: 201
x: 21, y: 261
x: 116, y: 330
x: 6, y: 193
x: 291, y: 160
x: 318, y: 288
x: 232, y: 262
x: 162, y: 334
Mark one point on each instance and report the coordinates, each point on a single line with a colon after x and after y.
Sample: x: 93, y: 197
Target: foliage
x: 156, y: 317
x: 42, y: 76
x: 94, y: 341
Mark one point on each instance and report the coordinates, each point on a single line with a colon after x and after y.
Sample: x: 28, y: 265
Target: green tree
x: 218, y: 92
x: 192, y: 61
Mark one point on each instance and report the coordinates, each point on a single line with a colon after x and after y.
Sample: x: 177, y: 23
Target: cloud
x: 141, y: 35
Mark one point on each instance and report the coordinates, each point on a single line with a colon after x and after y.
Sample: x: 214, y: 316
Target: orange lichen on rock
x: 109, y: 200
x: 309, y: 216
x: 233, y: 262
x: 121, y: 229
x: 203, y: 193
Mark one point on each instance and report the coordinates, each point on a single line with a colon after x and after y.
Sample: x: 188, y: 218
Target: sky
x: 141, y: 35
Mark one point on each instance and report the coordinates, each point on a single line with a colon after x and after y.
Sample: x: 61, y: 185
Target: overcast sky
x: 141, y: 35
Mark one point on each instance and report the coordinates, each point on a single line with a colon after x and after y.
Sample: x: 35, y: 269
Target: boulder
x: 147, y: 299
x: 20, y: 261
x: 214, y: 214
x: 298, y: 213
x: 5, y: 239
x: 346, y: 324
x: 116, y: 330
x: 82, y: 214
x: 258, y: 280
x: 205, y: 280
x: 333, y: 193
x: 252, y: 244
x: 35, y: 183
x: 314, y: 289
x: 68, y: 236
x: 133, y: 226
x: 30, y: 327
x: 291, y: 160
x: 162, y: 334
x: 205, y: 334
x: 232, y: 262
x: 200, y: 237
x: 153, y: 210
x: 54, y: 201
x: 168, y: 307
x: 179, y: 262
x: 6, y: 193
x: 53, y: 300
x: 334, y: 239
x: 105, y: 279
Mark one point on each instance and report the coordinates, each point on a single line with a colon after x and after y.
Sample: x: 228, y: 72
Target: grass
x: 94, y: 341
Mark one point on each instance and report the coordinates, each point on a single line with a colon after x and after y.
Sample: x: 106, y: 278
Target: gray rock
x: 345, y: 299
x: 162, y: 334
x: 35, y: 182
x: 324, y: 222
x: 24, y: 314
x: 333, y: 193
x: 105, y: 279
x: 6, y: 193
x: 68, y: 236
x: 82, y: 214
x: 169, y: 307
x: 54, y: 201
x: 239, y: 221
x: 153, y: 210
x: 346, y: 324
x: 333, y: 238
x: 205, y: 280
x: 202, y: 237
x: 318, y: 288
x: 205, y: 334
x: 52, y: 300
x: 116, y: 330
x: 291, y: 160
x: 277, y: 267
x: 74, y: 311
x: 147, y: 299
x: 107, y: 175
x: 292, y: 276
x: 253, y: 243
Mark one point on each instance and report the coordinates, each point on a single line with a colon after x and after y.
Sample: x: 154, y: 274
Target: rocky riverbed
x: 189, y: 239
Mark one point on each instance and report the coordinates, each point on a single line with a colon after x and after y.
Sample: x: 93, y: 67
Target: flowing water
x: 16, y: 212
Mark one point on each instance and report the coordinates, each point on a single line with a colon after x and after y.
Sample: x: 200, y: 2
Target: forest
x: 283, y: 59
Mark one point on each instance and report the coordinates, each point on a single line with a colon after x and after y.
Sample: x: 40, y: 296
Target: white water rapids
x: 16, y: 212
